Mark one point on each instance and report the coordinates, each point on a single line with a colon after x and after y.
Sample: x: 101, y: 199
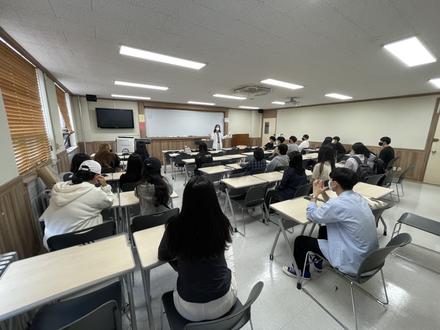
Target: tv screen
x: 114, y: 118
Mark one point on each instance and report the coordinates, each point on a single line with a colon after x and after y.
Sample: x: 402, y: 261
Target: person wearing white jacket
x: 77, y: 204
x: 217, y: 138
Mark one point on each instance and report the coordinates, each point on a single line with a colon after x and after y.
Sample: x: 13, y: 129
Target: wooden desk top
x: 243, y: 182
x: 270, y: 176
x: 215, y: 169
x: 235, y: 166
x: 147, y: 245
x: 292, y: 209
x: 310, y: 156
x: 215, y: 159
x: 237, y: 156
x: 128, y: 198
x: 371, y: 191
x: 251, y: 153
x: 32, y: 282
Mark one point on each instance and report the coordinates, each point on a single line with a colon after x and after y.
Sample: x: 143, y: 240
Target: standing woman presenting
x: 217, y: 138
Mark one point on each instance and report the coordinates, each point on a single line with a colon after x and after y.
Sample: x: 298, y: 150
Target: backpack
x: 363, y: 170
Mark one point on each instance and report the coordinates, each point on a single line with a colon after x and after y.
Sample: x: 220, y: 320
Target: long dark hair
x: 134, y: 166
x: 201, y: 230
x: 203, y: 147
x: 141, y: 149
x: 326, y: 154
x: 151, y: 174
x: 219, y: 128
x: 360, y: 149
x: 77, y: 161
x: 296, y: 162
x: 327, y: 140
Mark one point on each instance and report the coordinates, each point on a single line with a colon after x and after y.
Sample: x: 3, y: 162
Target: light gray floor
x: 413, y: 291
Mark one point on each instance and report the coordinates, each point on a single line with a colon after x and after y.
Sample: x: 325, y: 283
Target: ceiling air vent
x: 250, y: 91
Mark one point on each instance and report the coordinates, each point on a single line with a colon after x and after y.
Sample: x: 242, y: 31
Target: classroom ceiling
x: 325, y: 45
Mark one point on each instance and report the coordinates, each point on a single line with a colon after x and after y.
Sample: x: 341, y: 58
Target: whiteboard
x: 171, y: 123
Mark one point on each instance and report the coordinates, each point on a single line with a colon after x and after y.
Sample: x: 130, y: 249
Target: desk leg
x: 115, y: 217
x: 232, y: 212
x: 131, y: 301
x: 127, y: 220
x: 173, y: 177
x: 164, y: 163
x: 146, y: 281
x: 186, y: 176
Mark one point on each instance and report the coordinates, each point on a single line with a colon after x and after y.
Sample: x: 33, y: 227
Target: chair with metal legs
x: 378, y: 211
x: 370, y: 266
x: 398, y: 180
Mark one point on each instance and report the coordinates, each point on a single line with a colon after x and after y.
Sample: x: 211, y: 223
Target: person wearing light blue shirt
x: 349, y: 234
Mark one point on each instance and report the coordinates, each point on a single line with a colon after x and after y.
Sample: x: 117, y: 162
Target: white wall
x: 405, y: 120
x: 9, y: 167
x: 90, y: 130
x: 245, y: 122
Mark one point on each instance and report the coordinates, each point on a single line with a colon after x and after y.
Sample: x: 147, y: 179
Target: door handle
x: 434, y: 151
x: 435, y: 140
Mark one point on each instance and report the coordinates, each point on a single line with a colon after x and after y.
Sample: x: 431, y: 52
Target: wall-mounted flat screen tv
x: 114, y: 118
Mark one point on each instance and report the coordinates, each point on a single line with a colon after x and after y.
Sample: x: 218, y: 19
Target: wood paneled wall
x: 17, y: 225
x: 407, y: 157
x: 63, y: 163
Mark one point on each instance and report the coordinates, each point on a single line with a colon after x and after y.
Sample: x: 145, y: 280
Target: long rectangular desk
x: 372, y: 191
x: 33, y: 282
x: 215, y: 169
x: 147, y: 245
x: 251, y: 153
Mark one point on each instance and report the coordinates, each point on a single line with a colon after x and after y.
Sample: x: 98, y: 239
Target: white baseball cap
x: 90, y: 166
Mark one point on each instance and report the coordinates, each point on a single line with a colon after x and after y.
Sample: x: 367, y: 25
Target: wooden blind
x: 61, y: 98
x: 19, y: 86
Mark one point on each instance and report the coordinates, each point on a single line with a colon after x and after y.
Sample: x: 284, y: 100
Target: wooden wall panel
x: 63, y: 163
x: 17, y: 225
x: 407, y: 157
x: 255, y: 141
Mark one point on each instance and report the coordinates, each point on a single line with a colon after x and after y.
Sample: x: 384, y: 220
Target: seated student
x: 387, y: 152
x: 325, y: 164
x: 141, y: 150
x: 293, y: 177
x: 360, y: 155
x: 204, y: 156
x: 257, y: 164
x: 76, y: 162
x: 196, y: 243
x: 339, y: 148
x: 134, y: 171
x: 271, y: 144
x: 154, y: 190
x: 305, y: 144
x: 292, y: 146
x: 109, y: 161
x: 350, y: 231
x: 281, y: 160
x: 280, y: 140
x: 77, y: 204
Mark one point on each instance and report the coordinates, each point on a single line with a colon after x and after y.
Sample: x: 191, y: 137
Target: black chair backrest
x: 375, y: 179
x: 129, y: 186
x: 392, y: 162
x: 405, y: 172
x: 388, y: 180
x: 257, y: 171
x: 374, y: 261
x: 232, y: 321
x: 210, y: 164
x: 105, y: 317
x: 83, y: 236
x: 256, y: 194
x: 142, y: 222
x: 303, y: 190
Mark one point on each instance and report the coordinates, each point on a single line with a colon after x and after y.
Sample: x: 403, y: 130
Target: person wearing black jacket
x: 387, y: 152
x: 271, y: 144
x: 204, y: 156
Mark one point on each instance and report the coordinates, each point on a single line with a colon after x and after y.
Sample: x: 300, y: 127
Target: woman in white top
x: 326, y: 163
x: 305, y: 144
x: 361, y: 152
x: 77, y: 204
x: 217, y: 138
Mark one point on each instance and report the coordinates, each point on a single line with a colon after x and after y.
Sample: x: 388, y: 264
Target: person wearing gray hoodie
x: 77, y: 204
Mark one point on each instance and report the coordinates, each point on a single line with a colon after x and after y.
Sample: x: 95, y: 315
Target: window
x: 19, y: 86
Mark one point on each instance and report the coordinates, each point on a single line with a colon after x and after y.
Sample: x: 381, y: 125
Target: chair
x: 391, y: 163
x: 129, y: 186
x: 421, y: 223
x: 100, y: 309
x: 378, y: 211
x: 210, y: 164
x: 83, y: 236
x: 236, y: 318
x: 398, y: 180
x: 303, y: 190
x: 370, y: 266
x: 152, y: 220
x: 375, y: 179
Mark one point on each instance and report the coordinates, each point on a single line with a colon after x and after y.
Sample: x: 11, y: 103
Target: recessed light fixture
x: 280, y: 83
x: 248, y: 107
x: 131, y: 97
x: 279, y: 102
x: 411, y: 52
x: 200, y: 103
x: 131, y: 84
x: 435, y: 82
x: 338, y: 96
x: 156, y: 57
x: 232, y: 97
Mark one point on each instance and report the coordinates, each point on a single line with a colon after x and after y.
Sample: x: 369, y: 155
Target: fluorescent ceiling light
x: 131, y: 97
x: 279, y: 102
x: 411, y: 52
x: 280, y: 83
x: 200, y: 103
x: 131, y: 84
x: 338, y: 96
x: 435, y: 82
x: 232, y: 97
x: 156, y: 57
x: 248, y: 107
